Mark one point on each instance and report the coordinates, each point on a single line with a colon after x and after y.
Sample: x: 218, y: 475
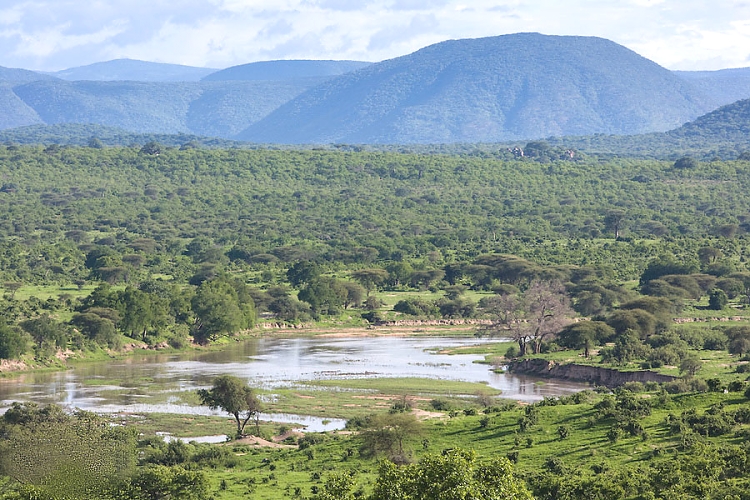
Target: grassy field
x: 268, y: 473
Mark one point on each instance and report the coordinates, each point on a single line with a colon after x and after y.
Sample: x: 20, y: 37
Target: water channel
x: 152, y: 383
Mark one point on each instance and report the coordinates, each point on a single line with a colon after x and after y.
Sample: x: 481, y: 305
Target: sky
x: 52, y: 35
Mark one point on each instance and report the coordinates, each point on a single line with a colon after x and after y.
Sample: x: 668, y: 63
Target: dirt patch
x: 425, y: 415
x: 257, y: 442
x: 302, y: 396
x: 287, y: 435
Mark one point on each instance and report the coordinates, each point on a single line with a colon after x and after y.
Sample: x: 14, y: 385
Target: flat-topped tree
x: 232, y: 395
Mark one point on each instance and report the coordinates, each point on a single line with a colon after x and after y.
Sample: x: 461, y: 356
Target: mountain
x: 134, y: 70
x: 220, y: 109
x: 519, y: 86
x: 285, y: 70
x: 724, y: 86
x: 13, y: 111
x: 21, y: 75
x: 730, y: 123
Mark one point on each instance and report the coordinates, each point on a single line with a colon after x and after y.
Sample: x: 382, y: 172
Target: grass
x: 273, y: 473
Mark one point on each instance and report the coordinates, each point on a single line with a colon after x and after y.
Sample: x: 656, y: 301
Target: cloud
x: 53, y: 34
x: 387, y: 37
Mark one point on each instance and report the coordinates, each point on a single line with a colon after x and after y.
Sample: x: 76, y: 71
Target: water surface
x: 152, y: 383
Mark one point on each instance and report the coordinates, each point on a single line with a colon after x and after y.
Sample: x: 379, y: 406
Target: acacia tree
x: 455, y: 473
x: 232, y: 395
x: 531, y: 317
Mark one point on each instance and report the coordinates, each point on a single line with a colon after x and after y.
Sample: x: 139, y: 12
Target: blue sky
x: 58, y: 34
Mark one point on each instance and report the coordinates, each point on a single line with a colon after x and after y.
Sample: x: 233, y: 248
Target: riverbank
x: 608, y: 377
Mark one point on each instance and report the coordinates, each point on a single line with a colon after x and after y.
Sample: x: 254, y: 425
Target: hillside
x: 15, y: 113
x: 219, y: 109
x: 723, y: 133
x: 285, y: 70
x: 730, y: 123
x: 519, y: 86
x: 133, y: 70
x: 723, y: 87
x: 21, y: 75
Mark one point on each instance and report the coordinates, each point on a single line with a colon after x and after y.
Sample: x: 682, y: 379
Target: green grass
x: 269, y: 473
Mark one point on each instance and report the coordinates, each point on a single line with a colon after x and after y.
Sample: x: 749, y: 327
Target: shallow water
x: 152, y: 383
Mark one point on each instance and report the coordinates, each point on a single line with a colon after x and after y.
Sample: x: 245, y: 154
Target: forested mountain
x: 517, y: 86
x: 130, y: 69
x: 21, y: 75
x: 730, y: 123
x: 507, y: 88
x: 219, y: 109
x: 723, y: 87
x: 285, y: 70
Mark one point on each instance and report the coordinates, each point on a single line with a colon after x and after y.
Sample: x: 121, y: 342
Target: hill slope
x: 285, y: 70
x: 517, y: 86
x: 730, y: 123
x: 21, y: 75
x: 134, y: 70
x: 221, y: 109
x: 722, y: 87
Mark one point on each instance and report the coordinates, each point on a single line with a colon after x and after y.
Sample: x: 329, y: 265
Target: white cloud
x: 53, y: 34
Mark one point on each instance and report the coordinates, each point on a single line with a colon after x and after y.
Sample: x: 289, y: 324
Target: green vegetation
x: 153, y: 246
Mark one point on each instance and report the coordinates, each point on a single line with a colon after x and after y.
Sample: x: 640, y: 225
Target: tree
x: 455, y: 474
x: 690, y: 364
x: 584, y: 335
x: 686, y: 162
x: 46, y: 332
x: 221, y: 308
x: 355, y: 293
x: 717, y: 299
x: 370, y: 278
x: 388, y: 433
x: 532, y: 317
x: 141, y: 312
x: 12, y: 342
x: 614, y: 220
x: 151, y: 148
x: 159, y: 482
x: 324, y: 294
x: 303, y: 272
x: 233, y: 395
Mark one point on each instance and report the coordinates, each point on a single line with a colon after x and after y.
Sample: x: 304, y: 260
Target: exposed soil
x: 256, y: 442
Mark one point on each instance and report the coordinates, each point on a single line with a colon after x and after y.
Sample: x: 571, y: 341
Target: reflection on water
x: 151, y: 383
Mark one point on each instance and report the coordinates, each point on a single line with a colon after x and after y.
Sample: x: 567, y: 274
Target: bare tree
x: 531, y: 317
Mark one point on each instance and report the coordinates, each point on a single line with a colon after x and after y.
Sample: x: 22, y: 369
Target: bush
x: 717, y: 299
x: 736, y: 386
x: 440, y: 405
x: 415, y: 307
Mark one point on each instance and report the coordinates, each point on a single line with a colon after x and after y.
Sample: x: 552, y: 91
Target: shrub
x: 717, y: 299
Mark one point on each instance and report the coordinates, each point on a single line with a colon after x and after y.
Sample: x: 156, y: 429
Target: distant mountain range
x: 133, y: 70
x: 510, y: 87
x: 723, y: 133
x: 285, y: 70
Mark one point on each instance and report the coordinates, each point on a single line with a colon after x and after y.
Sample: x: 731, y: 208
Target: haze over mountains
x: 510, y: 87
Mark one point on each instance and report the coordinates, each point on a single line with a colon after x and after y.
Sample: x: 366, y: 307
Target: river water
x: 152, y: 383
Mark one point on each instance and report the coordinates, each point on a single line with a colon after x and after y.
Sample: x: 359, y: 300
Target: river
x: 152, y: 383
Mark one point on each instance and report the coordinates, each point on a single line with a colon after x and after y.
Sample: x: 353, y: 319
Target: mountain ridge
x: 524, y: 85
